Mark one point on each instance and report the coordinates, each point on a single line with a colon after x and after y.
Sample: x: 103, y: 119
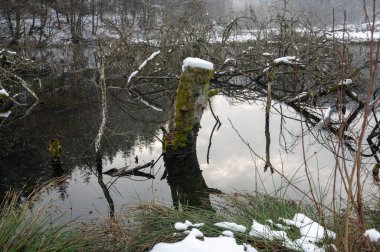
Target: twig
x: 216, y: 125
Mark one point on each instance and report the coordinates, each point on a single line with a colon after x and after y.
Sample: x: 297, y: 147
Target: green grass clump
x: 154, y: 224
x: 23, y: 229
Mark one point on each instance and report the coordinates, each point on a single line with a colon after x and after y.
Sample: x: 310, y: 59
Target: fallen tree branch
x: 124, y: 171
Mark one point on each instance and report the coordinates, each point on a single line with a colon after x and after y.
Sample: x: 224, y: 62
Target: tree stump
x: 184, y: 175
x: 191, y: 100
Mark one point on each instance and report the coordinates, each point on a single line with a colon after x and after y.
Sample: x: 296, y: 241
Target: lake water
x: 71, y: 112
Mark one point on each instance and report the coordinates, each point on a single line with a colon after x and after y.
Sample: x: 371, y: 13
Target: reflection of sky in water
x: 232, y: 168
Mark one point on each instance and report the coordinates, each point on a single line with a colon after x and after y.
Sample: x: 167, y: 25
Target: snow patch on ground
x: 231, y: 226
x: 185, y: 225
x: 209, y: 244
x: 311, y: 233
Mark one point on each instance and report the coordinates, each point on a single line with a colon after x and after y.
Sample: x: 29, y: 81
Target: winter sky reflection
x: 232, y: 168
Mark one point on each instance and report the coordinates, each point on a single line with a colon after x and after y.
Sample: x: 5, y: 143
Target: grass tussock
x: 24, y: 227
x: 153, y: 223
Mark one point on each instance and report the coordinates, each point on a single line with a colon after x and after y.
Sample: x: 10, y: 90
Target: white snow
x: 282, y: 227
x: 231, y: 226
x: 311, y: 233
x: 183, y: 226
x: 372, y: 234
x: 267, y: 54
x: 327, y: 115
x: 209, y: 244
x: 5, y: 114
x: 228, y: 233
x: 180, y: 226
x: 300, y: 96
x: 4, y: 92
x: 197, y: 63
x: 286, y: 60
x: 345, y: 82
x: 151, y: 57
x: 228, y: 60
x: 132, y: 75
x: 8, y: 51
x: 264, y: 231
x: 249, y: 248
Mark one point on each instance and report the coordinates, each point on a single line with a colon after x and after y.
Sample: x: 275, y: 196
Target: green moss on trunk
x: 192, y: 95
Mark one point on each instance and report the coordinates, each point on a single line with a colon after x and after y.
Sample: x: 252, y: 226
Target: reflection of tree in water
x: 70, y: 111
x: 187, y: 185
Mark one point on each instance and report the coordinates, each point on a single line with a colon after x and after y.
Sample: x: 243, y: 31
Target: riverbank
x: 239, y: 222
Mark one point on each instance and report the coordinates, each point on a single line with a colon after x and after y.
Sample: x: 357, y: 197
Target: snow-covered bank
x: 110, y: 27
x: 312, y: 234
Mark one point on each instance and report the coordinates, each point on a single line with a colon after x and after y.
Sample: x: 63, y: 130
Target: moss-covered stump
x: 190, y: 102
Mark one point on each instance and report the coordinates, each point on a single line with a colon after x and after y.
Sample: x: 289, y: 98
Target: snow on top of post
x: 3, y: 92
x: 198, y: 63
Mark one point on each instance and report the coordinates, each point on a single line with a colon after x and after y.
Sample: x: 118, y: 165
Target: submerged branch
x: 124, y: 171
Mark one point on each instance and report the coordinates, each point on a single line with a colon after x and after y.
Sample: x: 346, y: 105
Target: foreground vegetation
x: 25, y: 227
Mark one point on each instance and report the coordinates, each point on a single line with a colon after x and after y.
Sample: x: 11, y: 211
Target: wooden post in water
x: 191, y: 100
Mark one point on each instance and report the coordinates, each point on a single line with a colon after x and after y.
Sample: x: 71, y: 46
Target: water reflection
x: 187, y: 185
x: 71, y: 113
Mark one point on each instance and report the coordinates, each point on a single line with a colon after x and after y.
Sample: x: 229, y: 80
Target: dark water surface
x: 71, y: 112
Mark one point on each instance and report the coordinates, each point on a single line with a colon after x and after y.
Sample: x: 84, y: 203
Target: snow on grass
x: 185, y: 225
x: 372, y: 234
x: 3, y: 92
x: 311, y: 234
x: 228, y: 233
x: 231, y: 226
x: 197, y: 63
x: 209, y: 244
x: 264, y: 231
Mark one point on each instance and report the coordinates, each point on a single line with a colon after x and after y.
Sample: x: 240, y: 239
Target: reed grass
x: 154, y: 223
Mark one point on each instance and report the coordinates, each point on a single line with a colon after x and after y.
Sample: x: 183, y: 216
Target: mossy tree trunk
x: 184, y: 175
x: 191, y: 100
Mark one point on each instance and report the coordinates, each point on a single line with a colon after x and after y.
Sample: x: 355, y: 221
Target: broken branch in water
x: 124, y: 171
